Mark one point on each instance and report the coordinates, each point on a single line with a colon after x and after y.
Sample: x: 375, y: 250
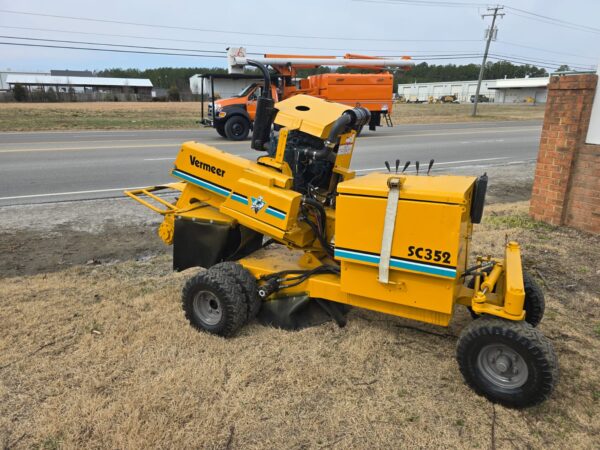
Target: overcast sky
x: 325, y: 27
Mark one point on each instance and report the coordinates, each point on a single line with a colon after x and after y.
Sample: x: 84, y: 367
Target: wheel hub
x: 502, y: 366
x: 237, y: 129
x: 207, y: 308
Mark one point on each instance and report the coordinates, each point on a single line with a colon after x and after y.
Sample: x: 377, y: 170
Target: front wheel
x: 237, y: 128
x: 221, y: 130
x: 213, y: 301
x: 510, y: 363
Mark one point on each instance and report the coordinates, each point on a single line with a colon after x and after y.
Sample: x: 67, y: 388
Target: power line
x: 534, y: 61
x: 69, y: 47
x: 22, y: 44
x: 113, y: 45
x: 171, y: 27
x: 427, y: 3
x: 228, y: 43
x: 547, y: 51
x: 554, y: 21
x: 544, y: 61
x: 449, y: 55
x: 515, y: 11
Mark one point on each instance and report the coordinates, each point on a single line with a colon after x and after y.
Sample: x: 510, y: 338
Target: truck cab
x: 233, y: 117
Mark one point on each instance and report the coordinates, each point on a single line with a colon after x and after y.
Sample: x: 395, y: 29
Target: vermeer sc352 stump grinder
x: 297, y: 231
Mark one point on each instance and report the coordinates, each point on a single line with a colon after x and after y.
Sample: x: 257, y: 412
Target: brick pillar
x: 566, y: 188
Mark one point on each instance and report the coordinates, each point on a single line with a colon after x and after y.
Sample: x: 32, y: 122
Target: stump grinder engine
x: 296, y: 236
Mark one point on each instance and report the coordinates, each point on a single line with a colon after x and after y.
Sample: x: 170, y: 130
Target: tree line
x: 177, y: 78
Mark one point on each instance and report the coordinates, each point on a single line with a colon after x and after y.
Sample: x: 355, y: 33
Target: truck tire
x: 213, y: 301
x: 221, y: 130
x: 510, y: 363
x: 237, y: 128
x: 246, y: 281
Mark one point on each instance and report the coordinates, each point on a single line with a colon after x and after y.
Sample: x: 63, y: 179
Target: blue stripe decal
x: 239, y: 198
x: 397, y: 263
x: 202, y: 183
x: 275, y: 213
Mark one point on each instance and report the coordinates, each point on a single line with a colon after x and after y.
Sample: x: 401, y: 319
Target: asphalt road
x: 58, y: 166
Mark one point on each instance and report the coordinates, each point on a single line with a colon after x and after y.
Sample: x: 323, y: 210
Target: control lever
x: 397, y: 165
x: 430, y: 166
x: 417, y: 164
x: 406, y: 166
x: 387, y: 164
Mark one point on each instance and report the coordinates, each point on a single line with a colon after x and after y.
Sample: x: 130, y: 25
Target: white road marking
x: 95, y: 191
x: 442, y: 163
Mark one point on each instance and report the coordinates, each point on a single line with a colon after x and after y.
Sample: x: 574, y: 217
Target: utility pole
x: 490, y: 36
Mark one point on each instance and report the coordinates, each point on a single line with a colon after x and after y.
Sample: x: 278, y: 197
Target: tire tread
x: 525, y: 334
x: 230, y: 293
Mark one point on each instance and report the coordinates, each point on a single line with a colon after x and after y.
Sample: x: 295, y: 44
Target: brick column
x: 566, y: 188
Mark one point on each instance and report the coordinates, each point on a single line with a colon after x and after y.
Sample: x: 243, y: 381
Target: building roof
x: 511, y: 83
x: 76, y: 81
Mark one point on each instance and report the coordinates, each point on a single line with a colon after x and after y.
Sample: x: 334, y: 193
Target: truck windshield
x: 244, y: 92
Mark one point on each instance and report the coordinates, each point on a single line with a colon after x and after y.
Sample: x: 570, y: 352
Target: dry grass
x: 450, y: 112
x: 134, y: 115
x: 98, y: 115
x: 101, y: 357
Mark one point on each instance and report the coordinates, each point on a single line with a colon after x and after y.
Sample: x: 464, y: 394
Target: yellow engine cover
x: 308, y: 114
x: 429, y: 246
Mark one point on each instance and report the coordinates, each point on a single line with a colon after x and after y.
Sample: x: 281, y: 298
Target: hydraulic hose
x: 317, y: 205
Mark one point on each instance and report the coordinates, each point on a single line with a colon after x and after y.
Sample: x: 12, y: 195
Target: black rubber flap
x: 298, y: 312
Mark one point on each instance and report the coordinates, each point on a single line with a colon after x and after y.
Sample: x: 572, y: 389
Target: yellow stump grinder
x: 296, y: 236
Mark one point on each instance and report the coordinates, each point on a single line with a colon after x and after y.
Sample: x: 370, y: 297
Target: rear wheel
x: 247, y: 283
x: 510, y: 363
x: 237, y: 128
x: 213, y: 301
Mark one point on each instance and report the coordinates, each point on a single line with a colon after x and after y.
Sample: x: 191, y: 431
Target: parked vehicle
x: 233, y: 117
x: 482, y: 99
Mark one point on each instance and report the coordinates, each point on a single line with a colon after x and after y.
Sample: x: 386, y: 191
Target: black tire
x: 221, y: 130
x: 213, y: 301
x: 237, y: 128
x: 246, y: 281
x: 510, y: 363
x: 534, y: 305
x: 359, y: 130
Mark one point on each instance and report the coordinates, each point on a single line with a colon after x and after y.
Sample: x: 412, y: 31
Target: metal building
x: 520, y: 90
x: 516, y: 90
x: 59, y: 84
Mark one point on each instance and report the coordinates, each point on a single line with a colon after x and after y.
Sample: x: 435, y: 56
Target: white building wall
x: 462, y: 89
x: 224, y: 88
x: 521, y: 95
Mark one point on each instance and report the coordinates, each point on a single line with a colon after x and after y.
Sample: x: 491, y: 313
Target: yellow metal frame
x: 218, y: 187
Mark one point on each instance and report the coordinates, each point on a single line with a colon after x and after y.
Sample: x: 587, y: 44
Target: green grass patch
x: 523, y: 221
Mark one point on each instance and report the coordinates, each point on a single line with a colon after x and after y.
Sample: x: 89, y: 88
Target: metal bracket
x: 389, y: 224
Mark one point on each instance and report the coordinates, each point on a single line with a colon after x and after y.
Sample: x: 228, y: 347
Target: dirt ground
x: 172, y: 115
x: 95, y: 352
